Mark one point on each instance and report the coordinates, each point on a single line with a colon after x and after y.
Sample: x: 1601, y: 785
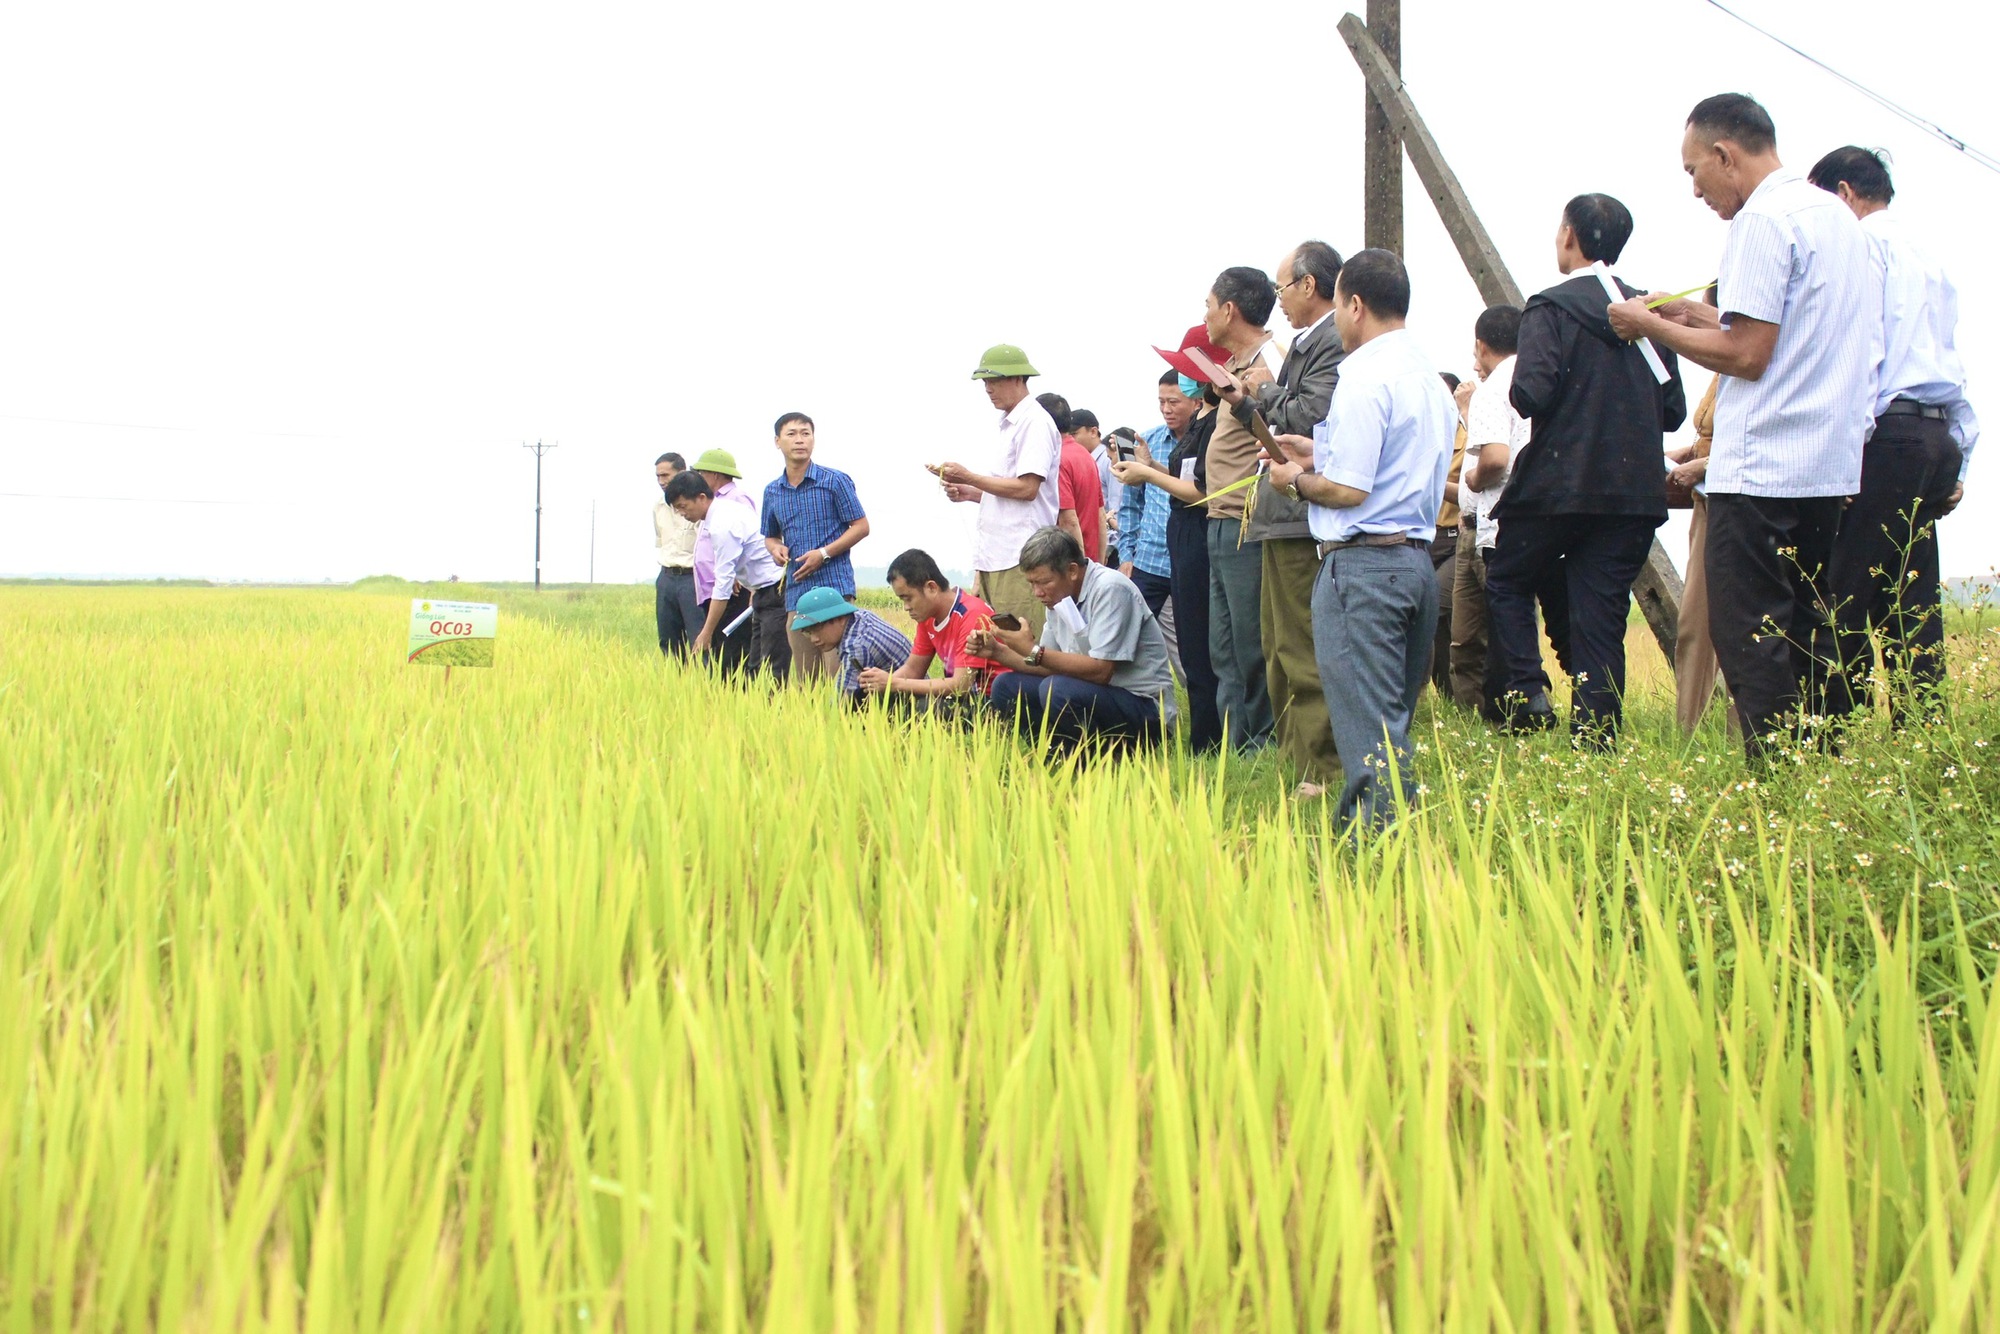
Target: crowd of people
x: 1317, y: 529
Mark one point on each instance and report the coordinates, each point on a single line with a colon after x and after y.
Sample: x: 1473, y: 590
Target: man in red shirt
x: 945, y: 616
x: 1080, y: 493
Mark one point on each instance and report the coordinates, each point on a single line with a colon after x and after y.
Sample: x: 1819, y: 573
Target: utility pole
x: 1381, y: 145
x: 593, y: 541
x: 540, y: 449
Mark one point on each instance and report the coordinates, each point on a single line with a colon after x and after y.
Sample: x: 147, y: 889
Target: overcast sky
x: 325, y: 269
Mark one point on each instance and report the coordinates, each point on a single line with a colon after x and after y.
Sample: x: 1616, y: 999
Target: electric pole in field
x: 593, y: 541
x: 1381, y: 145
x: 540, y: 449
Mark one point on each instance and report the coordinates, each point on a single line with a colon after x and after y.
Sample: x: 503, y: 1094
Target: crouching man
x: 1100, y: 670
x: 945, y: 617
x: 858, y: 639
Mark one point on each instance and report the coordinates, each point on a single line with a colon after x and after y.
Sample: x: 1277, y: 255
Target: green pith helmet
x: 718, y: 460
x: 1003, y: 361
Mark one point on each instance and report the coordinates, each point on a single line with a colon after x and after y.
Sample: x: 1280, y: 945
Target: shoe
x: 1536, y: 714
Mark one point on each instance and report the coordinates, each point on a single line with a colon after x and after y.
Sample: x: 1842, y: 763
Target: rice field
x: 585, y: 992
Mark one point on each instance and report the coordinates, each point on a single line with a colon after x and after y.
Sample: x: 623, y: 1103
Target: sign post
x: 452, y: 634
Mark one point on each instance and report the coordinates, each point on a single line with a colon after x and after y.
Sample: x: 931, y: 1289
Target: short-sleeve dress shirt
x: 1029, y: 445
x: 808, y: 516
x: 1490, y: 419
x: 673, y: 538
x: 1797, y: 258
x: 1920, y: 358
x: 1388, y: 432
x: 1117, y: 628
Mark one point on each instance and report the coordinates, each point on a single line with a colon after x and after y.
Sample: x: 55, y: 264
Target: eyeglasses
x: 1294, y: 282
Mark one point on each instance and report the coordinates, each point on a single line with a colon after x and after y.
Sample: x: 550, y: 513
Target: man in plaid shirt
x: 812, y: 519
x: 850, y: 637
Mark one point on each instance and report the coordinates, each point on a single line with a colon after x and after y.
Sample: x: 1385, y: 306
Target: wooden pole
x: 1658, y: 588
x: 1382, y: 146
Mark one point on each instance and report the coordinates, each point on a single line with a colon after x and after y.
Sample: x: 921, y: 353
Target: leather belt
x: 1909, y: 407
x: 1372, y: 540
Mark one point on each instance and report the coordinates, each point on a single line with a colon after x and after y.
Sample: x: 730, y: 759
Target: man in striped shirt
x: 1797, y: 331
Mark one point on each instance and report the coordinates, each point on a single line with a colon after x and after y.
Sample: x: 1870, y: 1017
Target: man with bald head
x: 1796, y: 333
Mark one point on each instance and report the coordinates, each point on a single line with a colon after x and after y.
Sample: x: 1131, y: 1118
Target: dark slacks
x: 760, y: 645
x: 1767, y: 605
x: 1884, y: 571
x: 1374, y: 621
x: 1598, y: 555
x: 1187, y: 546
x: 1235, y: 634
x: 675, y: 611
x: 1155, y: 588
x: 1075, y: 711
x: 1444, y: 562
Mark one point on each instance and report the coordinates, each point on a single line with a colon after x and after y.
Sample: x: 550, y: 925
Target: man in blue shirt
x: 1373, y: 475
x: 812, y: 519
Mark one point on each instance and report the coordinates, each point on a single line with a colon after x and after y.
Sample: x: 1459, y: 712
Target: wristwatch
x: 1293, y: 490
x: 1034, y: 658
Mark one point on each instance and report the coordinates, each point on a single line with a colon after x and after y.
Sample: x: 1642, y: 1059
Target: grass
x: 586, y: 992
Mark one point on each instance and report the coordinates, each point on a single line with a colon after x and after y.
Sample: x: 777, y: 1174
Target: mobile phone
x: 1006, y: 620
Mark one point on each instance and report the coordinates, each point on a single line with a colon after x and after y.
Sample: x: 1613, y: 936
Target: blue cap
x: 820, y: 604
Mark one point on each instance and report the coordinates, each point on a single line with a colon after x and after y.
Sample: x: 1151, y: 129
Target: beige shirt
x: 673, y: 538
x: 1233, y: 451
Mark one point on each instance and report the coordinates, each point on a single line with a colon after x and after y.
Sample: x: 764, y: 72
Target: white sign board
x: 452, y: 634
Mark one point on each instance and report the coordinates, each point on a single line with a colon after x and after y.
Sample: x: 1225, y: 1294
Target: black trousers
x: 1884, y: 571
x: 1187, y: 548
x: 1767, y: 606
x: 675, y: 611
x: 761, y: 645
x: 1585, y: 564
x: 1156, y: 589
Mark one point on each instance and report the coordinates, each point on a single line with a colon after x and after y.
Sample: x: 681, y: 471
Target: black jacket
x: 1599, y: 417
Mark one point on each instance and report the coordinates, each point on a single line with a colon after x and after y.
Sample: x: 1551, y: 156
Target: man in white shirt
x: 1494, y: 437
x: 1885, y: 561
x: 674, y: 610
x: 1796, y: 332
x: 1019, y: 497
x: 744, y: 578
x: 1374, y: 475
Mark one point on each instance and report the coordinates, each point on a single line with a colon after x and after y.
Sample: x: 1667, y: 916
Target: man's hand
x: 1131, y: 472
x: 1298, y: 449
x: 1005, y: 646
x: 1126, y: 569
x: 874, y: 681
x: 1256, y: 377
x: 1463, y: 396
x: 1631, y: 321
x: 1685, y: 475
x: 955, y: 473
x: 1143, y: 453
x: 1957, y: 494
x: 1674, y: 310
x: 960, y: 495
x: 779, y: 551
x: 701, y: 642
x: 811, y: 561
x: 1285, y: 476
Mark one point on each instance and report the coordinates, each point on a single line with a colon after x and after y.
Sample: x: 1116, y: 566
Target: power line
x: 1923, y: 123
x: 136, y: 500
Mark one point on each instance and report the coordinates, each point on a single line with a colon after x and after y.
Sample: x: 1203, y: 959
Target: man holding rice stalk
x: 1373, y: 474
x: 812, y: 518
x: 1020, y: 495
